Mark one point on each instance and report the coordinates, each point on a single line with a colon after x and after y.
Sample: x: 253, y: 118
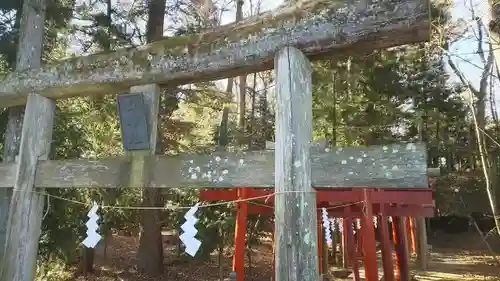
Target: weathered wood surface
x: 315, y: 145
x: 433, y: 172
x: 397, y: 165
x: 26, y: 208
x: 150, y: 252
x: 295, y: 217
x: 11, y: 150
x: 7, y: 175
x: 422, y: 246
x: 317, y: 27
x: 133, y: 116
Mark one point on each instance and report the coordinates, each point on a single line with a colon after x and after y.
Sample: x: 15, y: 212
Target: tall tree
x: 242, y: 81
x: 477, y: 98
x: 150, y: 253
x: 494, y: 30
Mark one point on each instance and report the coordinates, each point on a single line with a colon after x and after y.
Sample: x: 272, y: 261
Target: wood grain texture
x: 296, y: 235
x: 397, y: 166
x: 320, y: 28
x: 13, y: 134
x: 7, y: 175
x: 137, y: 167
x: 26, y: 208
x: 422, y: 246
x: 25, y: 215
x: 150, y: 252
x: 11, y: 150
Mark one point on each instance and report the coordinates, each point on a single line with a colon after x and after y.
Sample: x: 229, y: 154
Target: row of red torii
x: 403, y: 205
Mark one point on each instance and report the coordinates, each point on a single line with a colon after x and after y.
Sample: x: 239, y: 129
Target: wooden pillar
x: 351, y: 249
x: 401, y: 259
x: 412, y: 239
x: 345, y: 236
x: 422, y: 247
x: 368, y: 240
x: 320, y: 247
x: 359, y: 234
x: 386, y: 246
x: 139, y: 125
x: 240, y: 235
x: 295, y: 200
x: 322, y: 250
x: 395, y: 238
x: 87, y: 262
x: 26, y: 208
x: 325, y: 254
x: 10, y: 151
x: 420, y: 225
x: 406, y: 235
x: 274, y: 257
x: 335, y: 242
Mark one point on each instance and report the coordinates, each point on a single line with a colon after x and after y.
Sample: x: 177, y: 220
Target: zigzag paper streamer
x: 192, y: 245
x: 326, y: 225
x: 92, y: 236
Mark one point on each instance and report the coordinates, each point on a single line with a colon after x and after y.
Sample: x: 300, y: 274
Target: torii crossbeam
x: 319, y: 28
x: 396, y: 166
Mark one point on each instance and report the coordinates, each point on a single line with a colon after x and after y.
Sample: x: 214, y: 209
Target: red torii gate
x: 347, y: 203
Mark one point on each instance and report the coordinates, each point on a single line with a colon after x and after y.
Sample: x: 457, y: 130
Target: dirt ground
x: 459, y: 257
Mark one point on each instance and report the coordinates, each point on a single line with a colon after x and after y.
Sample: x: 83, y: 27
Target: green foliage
x: 51, y: 270
x: 84, y: 129
x: 386, y: 96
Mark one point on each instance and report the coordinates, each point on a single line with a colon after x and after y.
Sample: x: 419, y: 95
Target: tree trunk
x: 242, y: 84
x: 220, y: 256
x: 252, y: 128
x: 98, y: 100
x: 494, y: 29
x: 494, y: 40
x: 264, y: 128
x: 349, y: 135
x: 87, y: 263
x: 150, y: 252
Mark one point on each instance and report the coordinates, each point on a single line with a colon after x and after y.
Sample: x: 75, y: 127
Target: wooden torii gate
x: 287, y: 36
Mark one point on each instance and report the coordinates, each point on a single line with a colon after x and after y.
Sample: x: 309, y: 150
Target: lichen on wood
x: 391, y: 166
x: 316, y: 27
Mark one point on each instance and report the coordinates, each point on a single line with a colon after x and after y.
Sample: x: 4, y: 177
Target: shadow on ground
x: 466, y: 261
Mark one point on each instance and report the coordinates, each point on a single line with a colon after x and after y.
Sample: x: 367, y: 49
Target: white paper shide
x: 92, y: 236
x: 192, y: 245
x: 326, y: 225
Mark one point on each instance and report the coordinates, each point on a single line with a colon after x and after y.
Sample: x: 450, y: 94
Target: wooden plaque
x: 133, y: 121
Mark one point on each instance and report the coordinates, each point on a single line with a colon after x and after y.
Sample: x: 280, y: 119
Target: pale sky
x: 464, y: 50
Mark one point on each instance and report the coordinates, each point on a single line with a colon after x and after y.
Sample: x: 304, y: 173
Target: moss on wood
x: 317, y: 27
